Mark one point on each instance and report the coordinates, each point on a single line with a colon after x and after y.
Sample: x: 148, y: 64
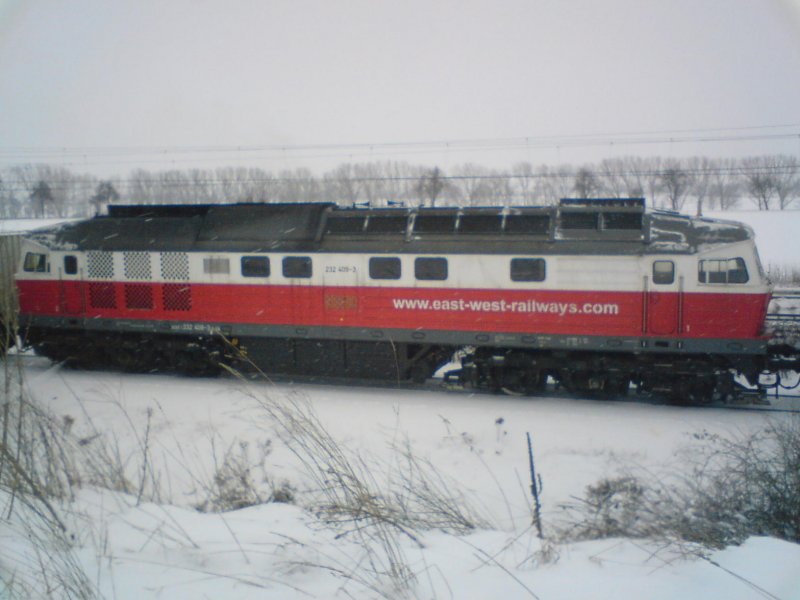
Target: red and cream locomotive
x: 597, y: 294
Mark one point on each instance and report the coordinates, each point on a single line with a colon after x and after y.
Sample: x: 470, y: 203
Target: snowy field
x: 475, y: 444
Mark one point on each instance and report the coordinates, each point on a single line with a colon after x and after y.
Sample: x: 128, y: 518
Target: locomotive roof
x: 613, y: 226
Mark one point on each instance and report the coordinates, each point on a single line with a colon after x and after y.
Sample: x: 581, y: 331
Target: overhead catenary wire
x: 110, y: 155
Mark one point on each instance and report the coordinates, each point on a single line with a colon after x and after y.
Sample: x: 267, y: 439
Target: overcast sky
x: 116, y: 84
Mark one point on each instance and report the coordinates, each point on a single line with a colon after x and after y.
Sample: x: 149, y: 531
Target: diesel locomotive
x: 598, y: 295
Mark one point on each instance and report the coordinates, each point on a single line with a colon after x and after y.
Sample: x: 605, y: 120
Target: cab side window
x: 725, y: 270
x: 663, y: 272
x: 35, y: 263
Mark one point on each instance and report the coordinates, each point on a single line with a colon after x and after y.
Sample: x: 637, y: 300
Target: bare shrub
x: 37, y: 471
x: 43, y: 462
x: 786, y: 275
x: 736, y: 487
x: 376, y: 512
x: 233, y: 484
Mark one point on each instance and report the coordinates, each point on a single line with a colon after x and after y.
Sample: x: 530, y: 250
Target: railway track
x: 771, y: 402
x: 784, y: 307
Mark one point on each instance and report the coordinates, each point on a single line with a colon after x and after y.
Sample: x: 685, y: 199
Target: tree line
x: 770, y: 182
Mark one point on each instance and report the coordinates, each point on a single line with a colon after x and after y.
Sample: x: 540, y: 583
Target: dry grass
x: 735, y: 487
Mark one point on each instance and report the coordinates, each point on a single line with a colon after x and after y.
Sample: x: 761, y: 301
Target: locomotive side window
x: 430, y: 269
x: 297, y: 266
x: 216, y: 266
x: 35, y: 263
x: 726, y: 270
x: 663, y: 272
x: 384, y: 268
x: 527, y: 269
x: 70, y: 265
x: 255, y: 266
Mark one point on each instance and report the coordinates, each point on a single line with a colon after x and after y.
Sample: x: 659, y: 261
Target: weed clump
x: 736, y: 487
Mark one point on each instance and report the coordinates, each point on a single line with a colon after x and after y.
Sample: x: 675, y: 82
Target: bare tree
x: 586, y: 184
x: 760, y: 181
x: 372, y: 182
x: 202, y: 185
x: 401, y: 179
x: 610, y: 178
x: 701, y: 169
x: 104, y: 195
x: 298, y: 185
x: 725, y: 185
x: 8, y: 208
x: 342, y: 184
x: 523, y: 174
x: 41, y: 196
x: 142, y: 187
x: 554, y: 183
x: 499, y: 188
x: 676, y: 184
x: 430, y: 185
x: 787, y: 179
x: 473, y: 183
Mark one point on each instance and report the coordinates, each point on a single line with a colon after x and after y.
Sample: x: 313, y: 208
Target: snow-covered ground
x: 475, y: 442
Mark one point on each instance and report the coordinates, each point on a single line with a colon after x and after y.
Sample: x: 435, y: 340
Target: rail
x: 785, y: 306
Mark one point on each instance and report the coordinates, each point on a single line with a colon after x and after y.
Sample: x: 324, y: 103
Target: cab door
x: 663, y: 298
x: 303, y: 306
x: 71, y: 286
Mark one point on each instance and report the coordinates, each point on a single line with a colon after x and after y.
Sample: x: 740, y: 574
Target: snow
x: 476, y: 442
x: 15, y: 226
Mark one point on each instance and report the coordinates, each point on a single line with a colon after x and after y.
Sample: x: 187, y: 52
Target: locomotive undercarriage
x: 204, y: 355
x: 682, y: 379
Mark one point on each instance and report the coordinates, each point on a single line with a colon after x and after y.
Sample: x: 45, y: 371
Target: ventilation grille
x: 102, y: 295
x: 101, y: 264
x: 175, y: 266
x: 137, y: 265
x: 138, y: 296
x: 177, y: 296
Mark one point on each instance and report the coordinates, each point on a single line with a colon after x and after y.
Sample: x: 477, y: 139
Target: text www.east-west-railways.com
x: 504, y: 306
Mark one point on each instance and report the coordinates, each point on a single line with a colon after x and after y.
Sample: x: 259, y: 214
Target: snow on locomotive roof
x: 608, y: 226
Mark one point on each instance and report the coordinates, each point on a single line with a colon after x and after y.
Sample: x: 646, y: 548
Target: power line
x: 173, y: 154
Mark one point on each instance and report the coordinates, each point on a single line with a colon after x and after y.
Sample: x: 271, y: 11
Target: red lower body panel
x: 604, y: 313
